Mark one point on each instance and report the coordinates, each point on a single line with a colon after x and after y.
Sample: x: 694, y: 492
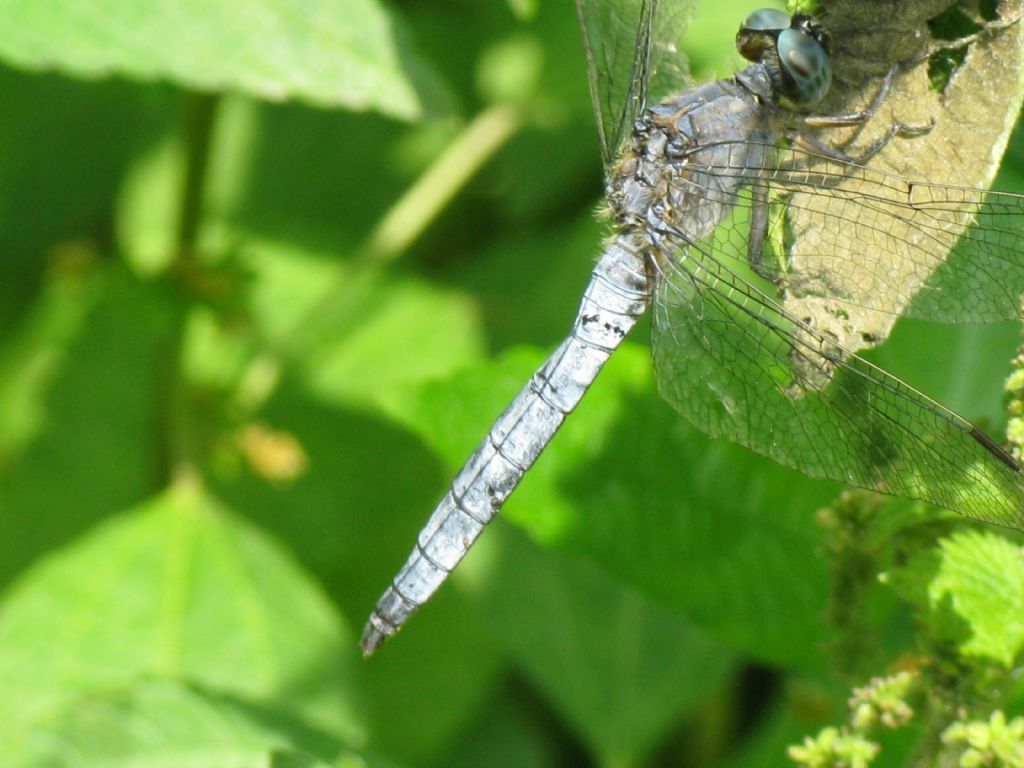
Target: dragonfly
x: 771, y: 259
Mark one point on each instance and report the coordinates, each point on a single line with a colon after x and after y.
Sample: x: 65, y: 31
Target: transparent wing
x: 633, y: 58
x: 772, y: 363
x: 850, y: 248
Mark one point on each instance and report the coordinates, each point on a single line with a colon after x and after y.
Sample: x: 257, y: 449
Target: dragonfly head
x: 796, y: 48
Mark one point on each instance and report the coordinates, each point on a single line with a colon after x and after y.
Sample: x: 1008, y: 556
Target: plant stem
x: 396, y: 231
x: 180, y: 443
x: 422, y: 202
x: 200, y: 113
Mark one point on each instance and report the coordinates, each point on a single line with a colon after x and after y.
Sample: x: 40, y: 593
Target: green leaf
x: 299, y: 176
x: 523, y: 9
x: 495, y: 279
x: 166, y: 723
x: 621, y: 669
x: 32, y: 358
x: 180, y: 589
x: 85, y: 388
x: 357, y: 335
x: 970, y: 590
x: 56, y: 184
x: 510, y: 731
x: 413, y: 332
x: 147, y: 215
x: 339, y: 53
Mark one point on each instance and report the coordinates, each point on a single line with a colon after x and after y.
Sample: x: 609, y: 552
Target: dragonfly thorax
x: 689, y: 158
x: 690, y: 155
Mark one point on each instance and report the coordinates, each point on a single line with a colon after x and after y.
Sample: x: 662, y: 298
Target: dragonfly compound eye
x: 766, y: 19
x: 758, y: 32
x: 805, y: 66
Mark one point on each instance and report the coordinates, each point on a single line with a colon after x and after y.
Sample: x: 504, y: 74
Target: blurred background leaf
x: 355, y: 54
x: 177, y: 589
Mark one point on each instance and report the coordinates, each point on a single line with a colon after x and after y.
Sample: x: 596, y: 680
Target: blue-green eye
x: 806, y: 66
x: 766, y: 19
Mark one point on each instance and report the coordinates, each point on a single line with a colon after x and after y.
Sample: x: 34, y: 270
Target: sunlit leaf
x: 339, y: 53
x: 970, y: 590
x: 165, y: 723
x: 181, y: 589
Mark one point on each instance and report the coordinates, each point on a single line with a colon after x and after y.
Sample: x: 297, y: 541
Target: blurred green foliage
x: 236, y: 373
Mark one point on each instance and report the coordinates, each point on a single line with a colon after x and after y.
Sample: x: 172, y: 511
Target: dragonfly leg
x: 862, y: 116
x: 759, y: 210
x: 986, y: 29
x: 858, y: 118
x: 896, y: 129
